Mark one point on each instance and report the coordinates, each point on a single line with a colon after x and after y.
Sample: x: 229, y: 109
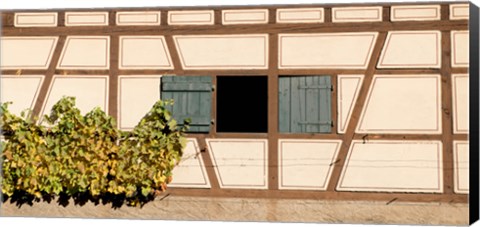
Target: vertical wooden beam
x: 113, y: 77
x: 447, y: 127
x: 272, y: 16
x: 386, y: 14
x: 113, y: 72
x: 112, y: 18
x: 328, y: 15
x: 213, y: 126
x: 273, y: 106
x: 445, y: 12
x: 357, y: 109
x: 217, y: 16
x: 42, y: 95
x: 8, y: 19
x: 447, y: 130
x: 164, y: 18
x: 334, y: 103
x: 61, y: 19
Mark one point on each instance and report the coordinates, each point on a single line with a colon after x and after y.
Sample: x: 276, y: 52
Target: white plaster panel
x: 191, y: 17
x: 461, y: 163
x: 223, y: 51
x: 138, y: 18
x: 300, y: 15
x: 459, y: 12
x: 21, y: 90
x: 393, y: 166
x: 460, y: 48
x: 136, y: 94
x: 27, y: 52
x: 144, y: 52
x: 306, y: 164
x: 357, y: 14
x: 415, y: 13
x: 89, y: 91
x: 250, y: 16
x: 326, y: 50
x: 86, y: 18
x: 85, y: 52
x: 191, y: 172
x: 411, y: 49
x: 460, y: 101
x: 409, y: 104
x: 36, y: 19
x: 348, y: 89
x: 240, y: 163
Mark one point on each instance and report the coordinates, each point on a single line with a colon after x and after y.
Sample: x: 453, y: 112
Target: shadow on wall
x: 20, y: 198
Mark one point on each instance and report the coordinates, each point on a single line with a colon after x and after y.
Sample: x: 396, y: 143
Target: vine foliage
x: 71, y: 154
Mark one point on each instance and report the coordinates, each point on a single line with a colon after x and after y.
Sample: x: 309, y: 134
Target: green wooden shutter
x: 305, y: 104
x: 192, y: 97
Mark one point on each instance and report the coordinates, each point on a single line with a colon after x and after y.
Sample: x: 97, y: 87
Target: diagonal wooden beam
x: 350, y: 132
x: 42, y: 95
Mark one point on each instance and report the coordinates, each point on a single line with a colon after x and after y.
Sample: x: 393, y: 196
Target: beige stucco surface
x: 144, y: 52
x: 138, y: 18
x: 415, y: 13
x: 21, y: 90
x: 245, y: 51
x: 357, y: 14
x: 348, y: 90
x: 36, y: 19
x: 460, y: 48
x: 85, y: 52
x: 411, y: 49
x: 240, y: 163
x: 253, y: 16
x: 300, y: 15
x: 461, y: 166
x: 272, y: 210
x: 326, y: 50
x: 393, y: 166
x: 190, y: 172
x: 89, y: 91
x: 191, y: 17
x: 306, y: 164
x: 136, y: 96
x: 460, y: 102
x: 86, y: 18
x: 459, y: 11
x: 407, y: 104
x: 33, y: 52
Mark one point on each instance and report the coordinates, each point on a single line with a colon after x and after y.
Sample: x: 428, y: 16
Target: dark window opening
x: 242, y: 104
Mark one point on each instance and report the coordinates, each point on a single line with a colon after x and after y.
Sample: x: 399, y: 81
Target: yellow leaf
x: 38, y: 194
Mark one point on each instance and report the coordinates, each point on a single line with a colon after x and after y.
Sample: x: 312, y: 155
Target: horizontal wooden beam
x: 322, y: 195
x: 237, y: 29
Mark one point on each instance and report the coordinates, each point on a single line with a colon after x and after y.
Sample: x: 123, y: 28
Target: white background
x: 50, y: 4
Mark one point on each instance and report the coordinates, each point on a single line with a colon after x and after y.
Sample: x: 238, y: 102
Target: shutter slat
x: 185, y: 86
x: 311, y: 99
x: 284, y: 104
x: 295, y: 105
x: 196, y: 120
x: 192, y: 99
x: 325, y: 106
x: 305, y: 104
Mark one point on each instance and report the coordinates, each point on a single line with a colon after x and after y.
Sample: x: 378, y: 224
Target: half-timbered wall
x: 398, y: 106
